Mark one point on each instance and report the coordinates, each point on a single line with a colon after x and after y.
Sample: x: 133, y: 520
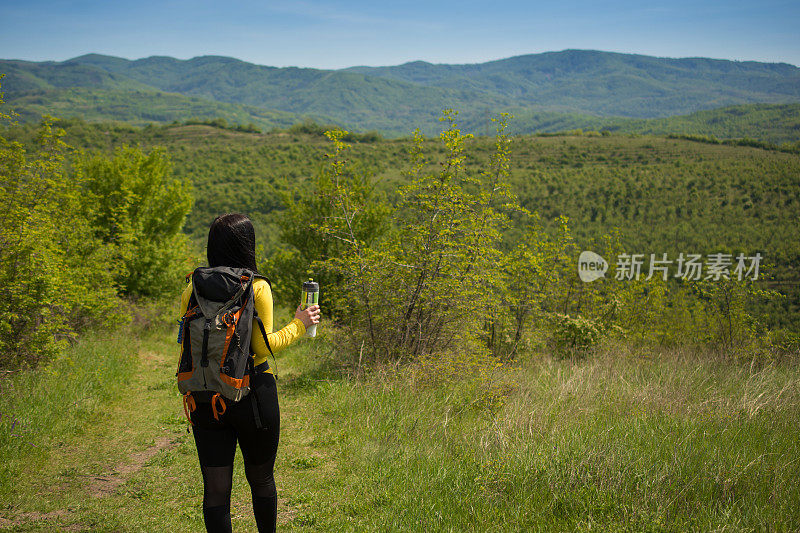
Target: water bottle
x: 310, y: 296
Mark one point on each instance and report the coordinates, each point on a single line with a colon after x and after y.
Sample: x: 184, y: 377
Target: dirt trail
x: 99, y: 486
x: 111, y: 477
x: 96, y: 486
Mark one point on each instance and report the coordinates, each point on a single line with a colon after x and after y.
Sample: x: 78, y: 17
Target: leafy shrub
x: 782, y: 343
x: 574, y: 336
x: 137, y: 208
x: 423, y: 288
x: 71, y: 238
x: 53, y: 275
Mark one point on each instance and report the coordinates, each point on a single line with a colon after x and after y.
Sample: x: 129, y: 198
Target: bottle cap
x: 310, y: 286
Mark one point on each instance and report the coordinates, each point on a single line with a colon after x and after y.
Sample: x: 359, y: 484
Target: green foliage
x: 730, y: 323
x: 422, y: 290
x: 746, y: 141
x: 574, y: 336
x: 606, y: 83
x: 769, y: 126
x: 534, y: 274
x: 663, y: 195
x: 138, y: 208
x: 53, y: 278
x: 221, y: 123
x: 143, y: 107
x: 73, y: 235
x: 328, y: 207
x: 310, y: 127
x: 783, y: 344
x: 452, y: 276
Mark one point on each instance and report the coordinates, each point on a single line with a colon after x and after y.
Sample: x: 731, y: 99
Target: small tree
x: 53, y: 279
x: 426, y: 286
x: 726, y: 319
x: 135, y: 206
x: 339, y: 212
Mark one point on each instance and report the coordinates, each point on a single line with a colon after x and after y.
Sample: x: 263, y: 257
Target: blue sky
x: 330, y: 34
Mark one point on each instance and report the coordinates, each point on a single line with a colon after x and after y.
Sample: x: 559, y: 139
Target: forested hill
x: 607, y: 83
x: 772, y: 123
x: 584, y: 81
x: 353, y: 100
x: 577, y: 87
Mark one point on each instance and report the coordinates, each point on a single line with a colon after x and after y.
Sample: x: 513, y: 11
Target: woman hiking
x: 231, y: 243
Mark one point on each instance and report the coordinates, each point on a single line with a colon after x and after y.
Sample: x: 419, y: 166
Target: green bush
x: 574, y: 336
x: 138, y: 208
x: 73, y: 237
x: 425, y: 286
x: 53, y: 275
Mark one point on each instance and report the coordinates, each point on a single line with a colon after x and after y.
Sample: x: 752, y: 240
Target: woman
x: 231, y: 242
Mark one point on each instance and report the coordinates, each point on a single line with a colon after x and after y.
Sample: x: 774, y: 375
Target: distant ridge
x: 396, y: 99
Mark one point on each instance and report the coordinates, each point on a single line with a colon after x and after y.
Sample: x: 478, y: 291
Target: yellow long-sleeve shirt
x: 278, y: 340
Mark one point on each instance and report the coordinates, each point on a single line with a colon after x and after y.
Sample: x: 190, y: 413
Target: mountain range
x: 581, y: 88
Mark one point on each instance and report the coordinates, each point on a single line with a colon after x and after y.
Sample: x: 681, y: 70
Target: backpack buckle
x: 229, y: 319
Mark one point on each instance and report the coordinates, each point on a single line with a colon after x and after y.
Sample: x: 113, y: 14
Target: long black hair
x: 232, y: 242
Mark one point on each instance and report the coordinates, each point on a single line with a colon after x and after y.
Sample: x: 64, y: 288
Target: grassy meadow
x: 627, y: 440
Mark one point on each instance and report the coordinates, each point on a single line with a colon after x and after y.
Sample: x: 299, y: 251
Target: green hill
x: 664, y: 194
x: 607, y: 83
x: 140, y: 107
x: 546, y: 92
x: 363, y: 102
x: 774, y: 123
x: 26, y: 76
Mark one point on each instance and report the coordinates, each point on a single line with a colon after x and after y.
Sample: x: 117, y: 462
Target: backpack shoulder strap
x: 265, y: 278
x: 263, y: 332
x: 254, y: 395
x: 192, y: 301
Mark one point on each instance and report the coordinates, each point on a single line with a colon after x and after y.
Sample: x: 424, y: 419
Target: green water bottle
x: 310, y: 297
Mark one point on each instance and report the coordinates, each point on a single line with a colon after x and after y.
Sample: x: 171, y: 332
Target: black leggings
x: 216, y: 448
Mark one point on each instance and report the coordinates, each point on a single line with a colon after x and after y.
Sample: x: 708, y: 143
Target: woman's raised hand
x: 308, y: 316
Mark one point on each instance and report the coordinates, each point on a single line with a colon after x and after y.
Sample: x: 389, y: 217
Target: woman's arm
x: 279, y: 339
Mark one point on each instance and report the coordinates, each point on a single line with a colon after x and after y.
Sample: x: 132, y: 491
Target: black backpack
x: 215, y: 362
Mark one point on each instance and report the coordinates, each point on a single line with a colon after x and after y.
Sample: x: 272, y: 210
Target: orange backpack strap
x: 217, y: 412
x: 189, y: 406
